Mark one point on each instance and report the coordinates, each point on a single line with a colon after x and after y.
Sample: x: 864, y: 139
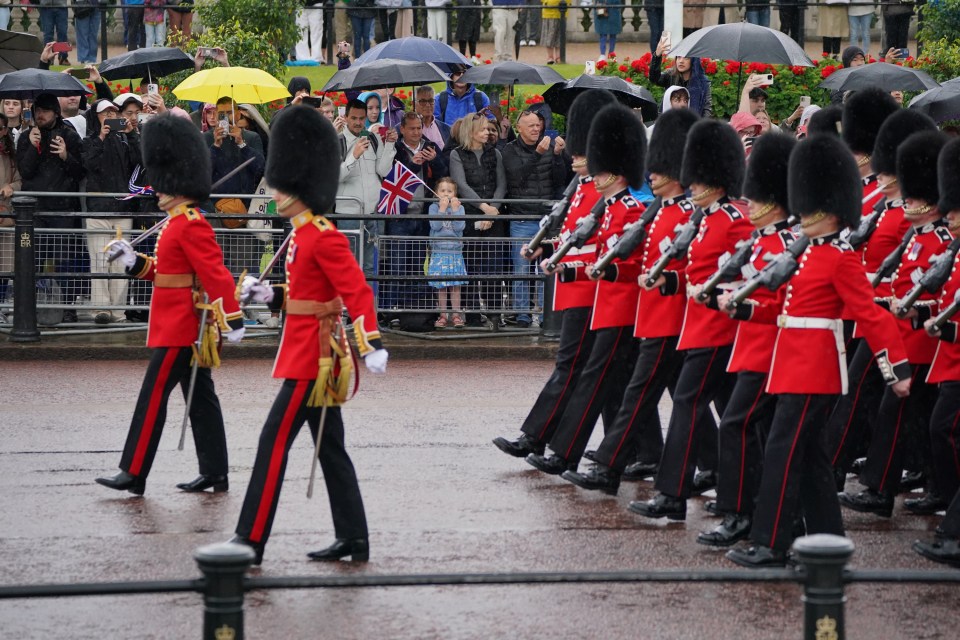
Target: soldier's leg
x: 945, y: 440
x: 818, y: 493
x: 343, y: 490
x: 850, y: 421
x: 206, y: 422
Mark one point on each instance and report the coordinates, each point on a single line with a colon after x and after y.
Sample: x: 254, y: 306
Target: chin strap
x: 812, y: 219
x: 763, y: 211
x: 703, y: 195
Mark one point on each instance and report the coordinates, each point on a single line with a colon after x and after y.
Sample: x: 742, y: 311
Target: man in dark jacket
x: 536, y: 169
x: 49, y: 159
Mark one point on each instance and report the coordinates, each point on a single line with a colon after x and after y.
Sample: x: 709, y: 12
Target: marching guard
x: 187, y: 253
x: 314, y: 360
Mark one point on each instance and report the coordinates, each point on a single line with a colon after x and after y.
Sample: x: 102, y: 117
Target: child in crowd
x: 446, y: 254
x: 154, y: 15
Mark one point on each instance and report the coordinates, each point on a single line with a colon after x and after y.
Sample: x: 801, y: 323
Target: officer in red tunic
x: 178, y: 163
x: 808, y: 367
x: 616, y: 148
x: 322, y: 278
x: 945, y: 371
x: 713, y: 167
x: 750, y: 409
x: 658, y: 320
x: 573, y: 299
x: 908, y: 419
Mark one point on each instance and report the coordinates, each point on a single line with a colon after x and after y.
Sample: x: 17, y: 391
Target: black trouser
x: 604, y: 377
x: 796, y: 474
x: 168, y: 367
x: 743, y: 429
x: 832, y: 46
x: 896, y: 29
x: 901, y: 423
x: 388, y: 24
x: 951, y: 522
x: 848, y: 429
x: 790, y: 20
x: 576, y: 343
x: 287, y: 415
x: 691, y: 437
x: 945, y: 440
x: 635, y: 434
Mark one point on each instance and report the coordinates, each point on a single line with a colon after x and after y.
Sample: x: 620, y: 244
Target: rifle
x: 775, y: 274
x: 553, y: 219
x: 868, y: 225
x: 889, y: 264
x: 634, y: 233
x: 932, y: 279
x: 730, y: 269
x: 945, y: 315
x: 586, y: 228
x: 678, y: 248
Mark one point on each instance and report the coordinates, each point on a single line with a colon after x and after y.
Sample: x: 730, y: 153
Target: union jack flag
x: 397, y: 190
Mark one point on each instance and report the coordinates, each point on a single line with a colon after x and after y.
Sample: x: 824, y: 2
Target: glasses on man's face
x: 427, y: 101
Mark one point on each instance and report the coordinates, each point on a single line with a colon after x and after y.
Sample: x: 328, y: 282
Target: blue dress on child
x: 446, y: 249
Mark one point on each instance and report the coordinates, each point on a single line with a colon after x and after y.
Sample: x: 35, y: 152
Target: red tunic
x: 809, y: 360
x: 615, y: 300
x: 869, y: 187
x: 891, y: 227
x: 753, y: 346
x: 723, y: 226
x: 187, y: 245
x: 929, y: 241
x: 659, y: 312
x: 580, y: 292
x: 946, y: 361
x: 320, y: 266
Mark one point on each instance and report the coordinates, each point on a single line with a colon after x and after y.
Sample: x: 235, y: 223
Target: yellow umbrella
x: 253, y: 86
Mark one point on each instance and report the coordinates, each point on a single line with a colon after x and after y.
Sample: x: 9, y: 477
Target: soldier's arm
x: 206, y: 259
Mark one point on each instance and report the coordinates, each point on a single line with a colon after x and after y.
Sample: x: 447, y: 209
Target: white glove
x: 235, y: 335
x: 376, y: 361
x: 123, y: 251
x: 253, y: 290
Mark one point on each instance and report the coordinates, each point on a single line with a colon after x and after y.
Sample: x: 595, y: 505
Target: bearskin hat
x: 894, y: 131
x: 863, y: 114
x: 713, y: 155
x: 826, y: 120
x: 176, y: 157
x: 665, y: 155
x: 304, y: 157
x: 581, y: 115
x: 917, y: 166
x: 948, y: 168
x: 617, y: 144
x: 766, y: 179
x: 823, y: 176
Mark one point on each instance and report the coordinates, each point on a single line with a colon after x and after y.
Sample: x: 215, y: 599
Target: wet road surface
x: 440, y: 499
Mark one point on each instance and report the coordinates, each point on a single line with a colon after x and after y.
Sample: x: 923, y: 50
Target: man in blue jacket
x: 458, y: 100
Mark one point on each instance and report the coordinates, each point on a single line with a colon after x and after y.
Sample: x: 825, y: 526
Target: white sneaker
x: 532, y: 43
x: 523, y: 43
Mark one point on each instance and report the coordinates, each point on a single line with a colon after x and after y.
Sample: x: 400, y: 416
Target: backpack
x: 445, y: 98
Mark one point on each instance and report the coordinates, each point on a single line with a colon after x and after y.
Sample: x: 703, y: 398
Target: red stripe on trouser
x: 563, y: 392
x: 596, y: 388
x: 150, y: 420
x: 743, y: 446
x: 643, y: 395
x: 893, y: 445
x: 269, y: 494
x: 693, y: 423
x: 786, y: 472
x: 853, y: 409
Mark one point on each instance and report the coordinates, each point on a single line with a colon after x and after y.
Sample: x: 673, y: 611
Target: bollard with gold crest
x: 823, y: 559
x: 223, y: 566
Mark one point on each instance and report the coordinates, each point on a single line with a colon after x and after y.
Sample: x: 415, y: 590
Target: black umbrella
x: 417, y: 49
x: 561, y: 95
x: 743, y: 42
x: 19, y: 51
x: 941, y: 103
x: 385, y: 73
x: 29, y: 83
x: 510, y: 73
x: 888, y: 77
x: 152, y: 62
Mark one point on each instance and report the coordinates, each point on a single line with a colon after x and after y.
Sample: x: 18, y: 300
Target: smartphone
x: 903, y: 53
x: 311, y: 101
x: 153, y: 89
x: 804, y: 101
x: 342, y: 112
x: 26, y: 117
x: 62, y: 47
x: 116, y: 124
x: 590, y: 67
x: 766, y: 79
x: 80, y: 74
x: 207, y: 52
x: 364, y: 133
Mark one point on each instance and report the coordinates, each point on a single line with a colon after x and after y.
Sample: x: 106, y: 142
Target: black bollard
x: 563, y: 31
x: 550, y: 327
x: 24, y: 273
x: 103, y: 35
x: 823, y: 557
x: 223, y: 566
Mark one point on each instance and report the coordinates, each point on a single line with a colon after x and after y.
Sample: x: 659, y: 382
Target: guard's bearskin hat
x: 617, y: 144
x: 894, y: 131
x: 713, y: 156
x: 917, y: 166
x: 823, y: 176
x: 176, y: 157
x: 948, y: 168
x: 581, y: 114
x: 665, y: 156
x: 826, y: 120
x: 304, y: 157
x: 863, y: 114
x: 766, y: 179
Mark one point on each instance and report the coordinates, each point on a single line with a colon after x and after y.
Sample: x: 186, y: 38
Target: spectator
x: 675, y: 98
x: 834, y: 25
x: 722, y: 12
x: 502, y: 21
x: 897, y: 96
x: 434, y: 130
x: 468, y: 26
x: 896, y: 24
x: 133, y: 23
x: 366, y: 160
x: 766, y: 125
x: 753, y: 96
x: 12, y: 110
x: 387, y: 13
x: 153, y: 23
x: 437, y: 19
x: 49, y: 159
x: 249, y: 119
x: 9, y: 182
x: 86, y: 22
x: 298, y: 87
x: 110, y: 158
x: 180, y: 19
x: 310, y: 23
x: 536, y: 169
x: 374, y: 111
x: 860, y: 17
x: 747, y: 127
x: 458, y: 100
x: 208, y: 117
x: 498, y: 138
x: 327, y: 108
x: 654, y: 10
x: 5, y: 25
x: 393, y: 112
x: 789, y: 124
x: 446, y: 252
x: 757, y: 12
x: 790, y: 19
x: 361, y: 13
x: 687, y: 73
x: 608, y: 24
x: 551, y: 30
x: 852, y: 57
x: 477, y: 168
x: 529, y: 23
x: 692, y: 16
x: 53, y: 18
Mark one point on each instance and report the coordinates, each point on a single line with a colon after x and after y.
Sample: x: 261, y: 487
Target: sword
x: 269, y: 268
x: 323, y: 420
x: 193, y: 371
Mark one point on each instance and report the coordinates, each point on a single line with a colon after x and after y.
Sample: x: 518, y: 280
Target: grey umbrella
x: 881, y: 75
x: 510, y: 73
x: 29, y: 83
x: 742, y: 42
x: 417, y: 49
x: 560, y: 96
x: 151, y: 62
x: 378, y: 74
x: 19, y: 51
x: 941, y: 103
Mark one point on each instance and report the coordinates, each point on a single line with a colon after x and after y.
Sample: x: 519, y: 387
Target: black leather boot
x: 927, y: 505
x: 521, y: 447
x: 598, y: 478
x: 661, y: 506
x: 202, y: 483
x: 357, y: 548
x: 124, y: 481
x: 868, y: 501
x: 757, y: 557
x: 553, y: 464
x: 640, y: 471
x: 735, y: 527
x: 703, y: 481
x: 256, y: 546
